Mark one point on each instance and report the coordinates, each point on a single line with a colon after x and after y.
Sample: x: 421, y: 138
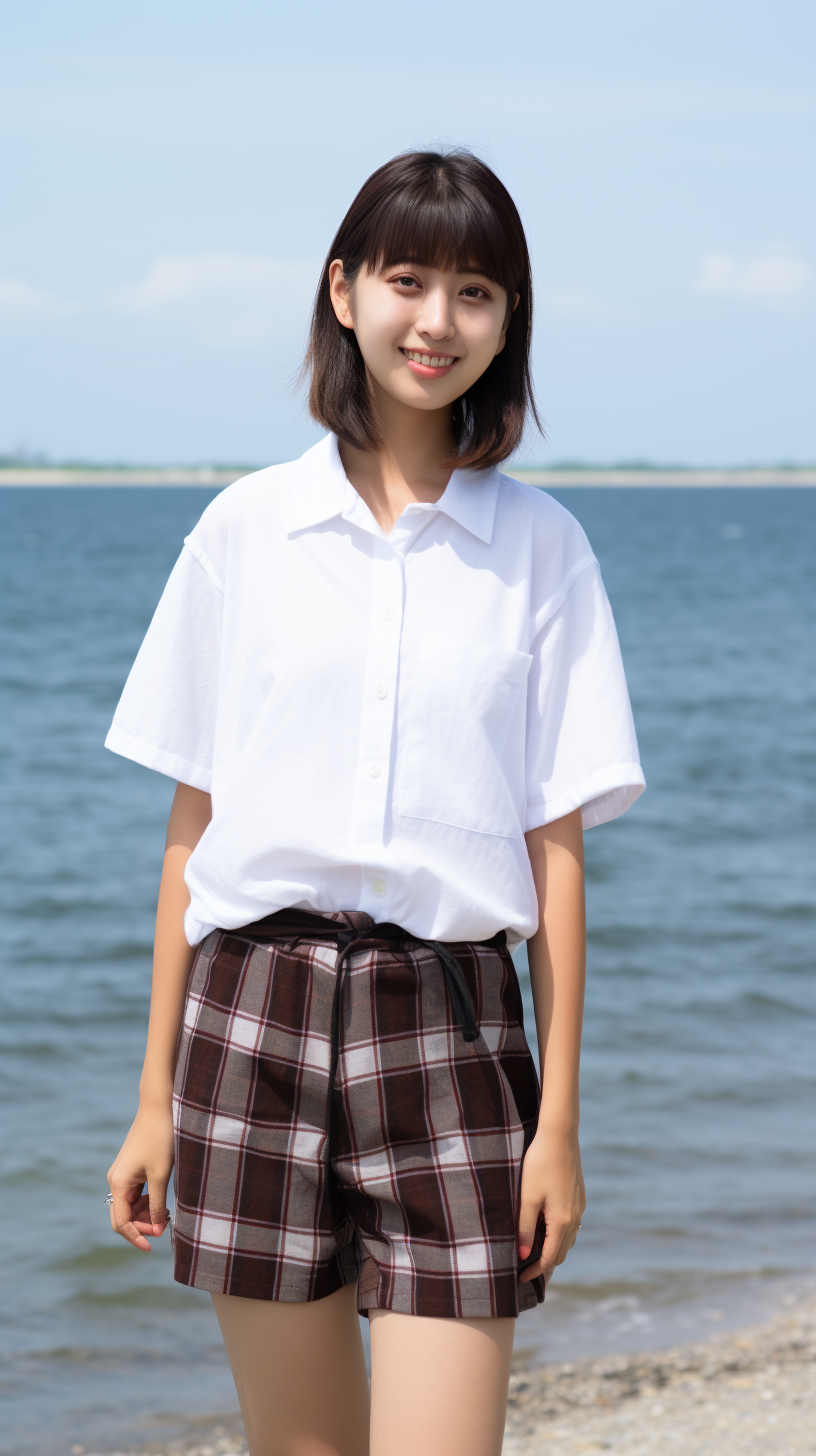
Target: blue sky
x: 173, y: 174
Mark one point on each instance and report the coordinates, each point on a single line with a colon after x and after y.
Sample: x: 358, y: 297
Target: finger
x: 154, y: 1228
x: 528, y: 1221
x: 159, y: 1212
x: 125, y: 1201
x: 553, y: 1240
x: 138, y: 1205
x: 133, y: 1235
x: 142, y: 1221
x: 567, y: 1243
x: 141, y: 1217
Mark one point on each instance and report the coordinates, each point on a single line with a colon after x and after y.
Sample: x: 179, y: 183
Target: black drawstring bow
x: 294, y: 926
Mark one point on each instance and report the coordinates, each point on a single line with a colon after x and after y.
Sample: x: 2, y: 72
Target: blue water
x: 698, y: 1084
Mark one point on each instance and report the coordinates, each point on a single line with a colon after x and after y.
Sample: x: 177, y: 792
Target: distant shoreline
x: 217, y: 478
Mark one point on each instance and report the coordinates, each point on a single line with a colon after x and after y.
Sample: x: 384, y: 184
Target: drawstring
x: 461, y: 1001
x: 349, y: 941
x: 463, y: 1009
x: 295, y: 926
x: 345, y: 940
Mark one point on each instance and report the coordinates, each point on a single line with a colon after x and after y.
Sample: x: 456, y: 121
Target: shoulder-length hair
x: 446, y: 211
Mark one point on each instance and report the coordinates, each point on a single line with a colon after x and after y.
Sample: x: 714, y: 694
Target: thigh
x: 438, y: 1386
x: 300, y: 1373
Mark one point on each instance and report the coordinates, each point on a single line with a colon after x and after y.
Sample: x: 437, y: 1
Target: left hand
x: 552, y: 1183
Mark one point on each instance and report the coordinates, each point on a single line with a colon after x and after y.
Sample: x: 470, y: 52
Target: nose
x: 435, y: 317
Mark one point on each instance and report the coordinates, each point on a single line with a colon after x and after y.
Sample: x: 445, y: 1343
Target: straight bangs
x: 439, y: 210
x: 455, y: 233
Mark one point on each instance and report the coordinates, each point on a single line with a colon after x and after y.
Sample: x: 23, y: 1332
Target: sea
x: 699, y: 1069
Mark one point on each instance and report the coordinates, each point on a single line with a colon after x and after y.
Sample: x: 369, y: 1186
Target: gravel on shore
x: 748, y: 1392
x: 751, y: 1392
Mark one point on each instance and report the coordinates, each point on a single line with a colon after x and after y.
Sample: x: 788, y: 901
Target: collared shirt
x: 380, y: 719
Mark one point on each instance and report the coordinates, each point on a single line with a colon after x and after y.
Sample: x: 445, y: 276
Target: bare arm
x: 146, y: 1155
x: 551, y: 1177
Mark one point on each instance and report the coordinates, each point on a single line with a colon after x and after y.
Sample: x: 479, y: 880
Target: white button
x: 382, y: 692
x: 387, y: 614
x: 374, y: 772
x: 379, y: 887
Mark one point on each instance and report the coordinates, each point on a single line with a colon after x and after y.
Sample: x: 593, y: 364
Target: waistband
x: 329, y: 922
x: 353, y: 931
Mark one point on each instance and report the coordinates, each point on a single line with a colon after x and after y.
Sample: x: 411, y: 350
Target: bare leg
x: 300, y: 1373
x: 438, y: 1386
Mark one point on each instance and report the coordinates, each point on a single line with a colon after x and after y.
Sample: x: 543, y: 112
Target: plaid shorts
x: 334, y: 1126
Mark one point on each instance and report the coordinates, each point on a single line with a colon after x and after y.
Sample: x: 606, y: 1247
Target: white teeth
x: 434, y: 361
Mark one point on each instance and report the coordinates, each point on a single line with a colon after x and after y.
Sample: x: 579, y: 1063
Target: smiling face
x: 426, y: 336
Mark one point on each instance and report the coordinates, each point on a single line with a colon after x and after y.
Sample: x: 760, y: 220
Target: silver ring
x: 109, y: 1198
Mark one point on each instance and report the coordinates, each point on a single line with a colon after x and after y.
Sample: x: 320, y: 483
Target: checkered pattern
x: 404, y: 1179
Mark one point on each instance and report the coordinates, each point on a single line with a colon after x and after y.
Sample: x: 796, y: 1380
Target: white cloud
x: 20, y: 303
x: 224, y: 298
x: 778, y: 275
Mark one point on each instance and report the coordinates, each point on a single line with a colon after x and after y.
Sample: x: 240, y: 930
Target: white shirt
x: 379, y: 719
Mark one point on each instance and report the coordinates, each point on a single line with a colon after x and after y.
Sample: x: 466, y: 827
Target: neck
x: 413, y: 464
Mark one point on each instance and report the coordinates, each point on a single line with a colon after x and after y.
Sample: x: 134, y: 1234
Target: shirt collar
x: 470, y: 499
x: 322, y: 491
x: 320, y: 488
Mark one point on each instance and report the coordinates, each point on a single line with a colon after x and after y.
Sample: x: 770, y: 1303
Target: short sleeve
x: 581, y: 744
x: 166, y: 716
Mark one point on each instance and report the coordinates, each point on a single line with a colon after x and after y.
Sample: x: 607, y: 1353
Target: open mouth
x: 428, y: 365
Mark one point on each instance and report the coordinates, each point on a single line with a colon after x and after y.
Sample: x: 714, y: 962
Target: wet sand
x: 744, y: 1393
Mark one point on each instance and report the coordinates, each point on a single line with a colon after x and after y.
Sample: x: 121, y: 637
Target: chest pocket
x: 457, y: 703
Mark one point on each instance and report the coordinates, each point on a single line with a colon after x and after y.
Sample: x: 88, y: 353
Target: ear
x: 503, y: 339
x: 340, y: 294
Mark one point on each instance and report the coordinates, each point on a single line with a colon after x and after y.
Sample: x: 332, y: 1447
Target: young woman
x: 387, y: 681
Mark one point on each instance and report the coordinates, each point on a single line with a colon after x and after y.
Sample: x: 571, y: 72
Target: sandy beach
x: 747, y: 1392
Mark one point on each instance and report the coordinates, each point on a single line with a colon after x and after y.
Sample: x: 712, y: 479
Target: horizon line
x: 41, y: 463
x: 553, y: 476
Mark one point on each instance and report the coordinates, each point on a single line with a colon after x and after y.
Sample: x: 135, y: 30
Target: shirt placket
x: 375, y: 766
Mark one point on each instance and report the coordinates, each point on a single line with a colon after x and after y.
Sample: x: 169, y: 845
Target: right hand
x: 146, y: 1157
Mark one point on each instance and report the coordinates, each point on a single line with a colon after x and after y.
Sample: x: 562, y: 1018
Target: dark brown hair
x: 441, y: 210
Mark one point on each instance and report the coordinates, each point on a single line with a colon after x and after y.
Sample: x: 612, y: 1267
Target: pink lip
x: 425, y: 371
